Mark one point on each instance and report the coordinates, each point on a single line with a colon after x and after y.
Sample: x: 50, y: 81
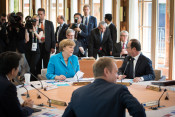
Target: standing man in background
x: 47, y: 42
x: 80, y: 30
x: 89, y: 21
x: 112, y: 28
x: 100, y: 41
x: 60, y: 33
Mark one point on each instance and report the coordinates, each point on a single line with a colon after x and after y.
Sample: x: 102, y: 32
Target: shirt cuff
x: 142, y: 79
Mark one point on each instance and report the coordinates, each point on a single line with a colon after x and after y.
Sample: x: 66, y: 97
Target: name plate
x: 154, y: 88
x: 80, y: 83
x: 124, y: 83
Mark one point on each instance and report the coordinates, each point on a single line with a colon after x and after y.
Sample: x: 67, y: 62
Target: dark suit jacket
x: 49, y: 35
x: 9, y: 103
x: 95, y: 43
x: 77, y: 51
x: 113, y: 31
x: 62, y: 34
x: 117, y: 49
x: 81, y: 37
x: 143, y: 68
x: 92, y: 23
x: 103, y: 99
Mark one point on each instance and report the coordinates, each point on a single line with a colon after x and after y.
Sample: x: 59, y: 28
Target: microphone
x: 161, y: 97
x: 49, y: 100
x: 26, y: 90
x: 158, y: 106
x: 126, y: 66
x: 74, y: 71
x: 37, y: 79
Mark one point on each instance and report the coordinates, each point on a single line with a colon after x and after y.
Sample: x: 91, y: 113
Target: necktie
x: 123, y: 46
x: 131, y: 72
x: 101, y: 36
x: 86, y: 21
x: 76, y: 34
x: 59, y: 32
x: 42, y: 26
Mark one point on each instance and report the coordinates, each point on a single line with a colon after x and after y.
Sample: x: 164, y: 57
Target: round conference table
x: 138, y: 90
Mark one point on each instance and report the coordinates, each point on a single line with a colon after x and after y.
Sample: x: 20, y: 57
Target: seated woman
x: 64, y: 64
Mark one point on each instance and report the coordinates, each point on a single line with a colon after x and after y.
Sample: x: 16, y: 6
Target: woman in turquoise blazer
x: 64, y: 64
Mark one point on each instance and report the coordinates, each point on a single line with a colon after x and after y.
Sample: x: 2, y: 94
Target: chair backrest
x: 86, y: 66
x: 158, y: 74
x: 119, y: 63
x: 43, y: 74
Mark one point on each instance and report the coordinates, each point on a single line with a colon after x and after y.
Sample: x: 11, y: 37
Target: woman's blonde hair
x: 66, y: 42
x: 35, y: 16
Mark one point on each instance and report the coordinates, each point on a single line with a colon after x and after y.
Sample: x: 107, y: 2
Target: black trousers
x: 32, y: 59
x: 44, y: 56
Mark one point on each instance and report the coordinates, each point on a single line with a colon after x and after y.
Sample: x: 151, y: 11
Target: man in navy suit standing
x: 103, y: 97
x: 88, y: 20
x: 136, y: 66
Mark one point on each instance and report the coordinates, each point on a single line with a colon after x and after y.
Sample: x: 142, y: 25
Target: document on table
x: 76, y: 77
x: 126, y: 80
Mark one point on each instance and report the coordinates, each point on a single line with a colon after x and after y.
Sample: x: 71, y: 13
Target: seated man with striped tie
x: 119, y: 48
x: 136, y: 66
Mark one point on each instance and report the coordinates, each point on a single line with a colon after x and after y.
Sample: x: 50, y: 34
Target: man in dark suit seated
x: 78, y: 49
x: 60, y: 33
x: 99, y: 41
x: 80, y: 29
x: 9, y: 103
x: 136, y: 66
x: 103, y: 97
x: 119, y: 49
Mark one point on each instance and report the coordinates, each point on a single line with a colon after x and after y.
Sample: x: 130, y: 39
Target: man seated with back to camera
x: 9, y: 103
x: 136, y: 66
x: 103, y: 97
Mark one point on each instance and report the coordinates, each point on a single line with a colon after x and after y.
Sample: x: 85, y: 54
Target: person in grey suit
x: 99, y: 41
x: 47, y: 42
x: 60, y: 33
x: 9, y: 103
x: 136, y: 66
x: 103, y: 97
